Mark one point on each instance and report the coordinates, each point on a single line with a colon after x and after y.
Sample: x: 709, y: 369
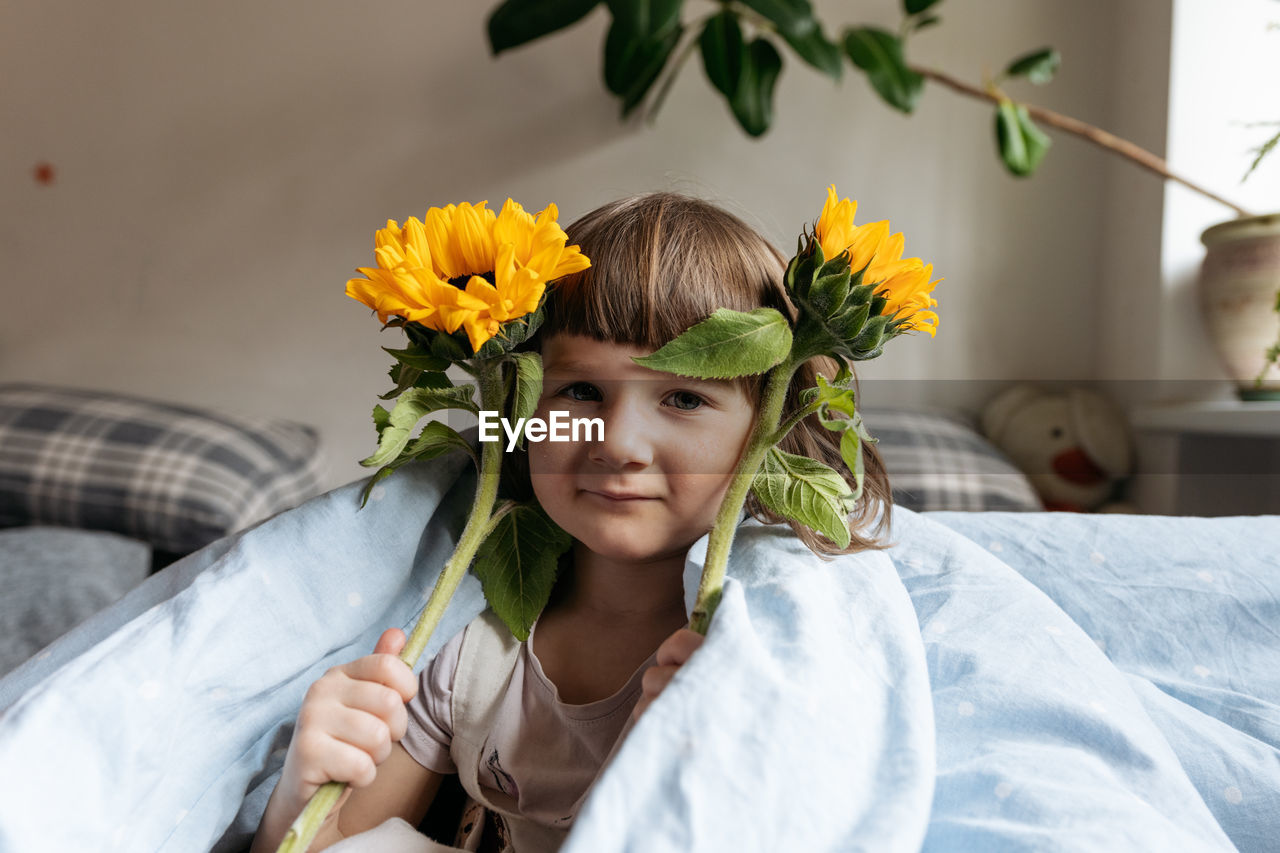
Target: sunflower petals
x: 904, y: 283
x: 506, y: 260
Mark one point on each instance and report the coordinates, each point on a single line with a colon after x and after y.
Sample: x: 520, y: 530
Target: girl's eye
x: 582, y: 392
x: 684, y: 400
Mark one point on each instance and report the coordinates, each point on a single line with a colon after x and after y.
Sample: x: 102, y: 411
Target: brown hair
x: 661, y: 262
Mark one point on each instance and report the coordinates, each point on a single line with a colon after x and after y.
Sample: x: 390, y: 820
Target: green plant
x: 742, y: 43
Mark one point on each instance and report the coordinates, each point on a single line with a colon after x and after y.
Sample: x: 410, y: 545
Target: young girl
x: 614, y: 632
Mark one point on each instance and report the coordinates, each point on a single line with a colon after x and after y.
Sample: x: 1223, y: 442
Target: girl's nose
x: 626, y: 443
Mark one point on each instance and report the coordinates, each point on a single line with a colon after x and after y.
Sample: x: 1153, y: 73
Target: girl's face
x: 654, y: 484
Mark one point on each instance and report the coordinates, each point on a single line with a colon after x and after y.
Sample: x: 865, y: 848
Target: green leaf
x: 835, y: 397
x: 806, y: 491
x: 726, y: 345
x: 418, y: 358
x: 851, y: 453
x: 1262, y: 151
x: 527, y: 387
x: 436, y: 439
x: 1039, y: 66
x: 639, y: 42
x: 723, y: 52
x: 796, y: 24
x: 927, y: 21
x: 381, y: 419
x: 1022, y: 144
x: 915, y: 7
x: 815, y: 49
x: 413, y: 406
x: 381, y: 474
x: 752, y: 103
x: 450, y: 348
x: 839, y: 397
x: 879, y: 53
x: 518, y: 21
x: 405, y: 377
x: 517, y: 564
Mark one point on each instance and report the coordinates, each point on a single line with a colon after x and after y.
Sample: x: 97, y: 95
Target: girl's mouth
x: 618, y: 497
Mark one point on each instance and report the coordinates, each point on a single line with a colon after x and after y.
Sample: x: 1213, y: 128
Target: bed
x: 98, y: 490
x: 1008, y: 680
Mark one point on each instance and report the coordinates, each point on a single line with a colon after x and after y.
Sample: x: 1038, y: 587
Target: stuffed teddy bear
x: 1073, y: 445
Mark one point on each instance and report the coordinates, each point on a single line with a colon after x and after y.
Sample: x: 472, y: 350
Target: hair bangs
x: 660, y: 263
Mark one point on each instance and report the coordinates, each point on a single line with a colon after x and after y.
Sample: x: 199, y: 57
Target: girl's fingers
x: 343, y: 762
x: 378, y: 701
x: 677, y: 648
x: 384, y: 669
x: 655, y: 680
x: 319, y: 756
x: 391, y: 642
x: 365, y: 732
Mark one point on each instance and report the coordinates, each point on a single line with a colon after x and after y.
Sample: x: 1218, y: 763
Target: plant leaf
x: 436, y: 439
x: 639, y: 42
x: 418, y: 358
x: 406, y: 377
x: 915, y: 7
x: 723, y: 52
x: 518, y: 21
x: 879, y: 53
x: 1022, y: 144
x: 413, y: 406
x: 1262, y: 151
x: 797, y: 25
x: 1039, y: 66
x: 804, y: 490
x: 839, y: 397
x: 726, y: 345
x: 752, y: 103
x: 527, y: 387
x: 517, y: 564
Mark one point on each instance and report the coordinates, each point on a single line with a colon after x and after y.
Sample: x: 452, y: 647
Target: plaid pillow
x: 173, y: 476
x: 937, y: 461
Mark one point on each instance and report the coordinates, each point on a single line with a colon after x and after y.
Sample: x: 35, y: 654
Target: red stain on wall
x: 44, y: 174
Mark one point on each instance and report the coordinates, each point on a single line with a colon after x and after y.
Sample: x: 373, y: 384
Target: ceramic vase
x: 1239, y: 286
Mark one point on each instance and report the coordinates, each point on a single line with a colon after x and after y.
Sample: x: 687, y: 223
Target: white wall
x: 221, y: 169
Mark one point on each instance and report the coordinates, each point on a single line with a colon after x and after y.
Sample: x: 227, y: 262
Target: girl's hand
x: 349, y: 720
x: 672, y: 654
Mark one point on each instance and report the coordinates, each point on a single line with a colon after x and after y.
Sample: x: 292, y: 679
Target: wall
x: 220, y: 170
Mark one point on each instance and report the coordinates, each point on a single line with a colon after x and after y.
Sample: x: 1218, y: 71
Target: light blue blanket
x: 992, y: 682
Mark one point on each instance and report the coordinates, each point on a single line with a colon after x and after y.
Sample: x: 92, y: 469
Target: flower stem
x: 1086, y: 131
x: 489, y: 373
x: 763, y: 436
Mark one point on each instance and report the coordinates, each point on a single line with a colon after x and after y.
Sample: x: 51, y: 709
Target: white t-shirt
x: 542, y: 755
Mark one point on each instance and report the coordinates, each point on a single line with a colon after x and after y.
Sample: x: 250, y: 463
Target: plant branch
x: 304, y: 828
x: 1084, y: 130
x: 676, y: 67
x: 762, y: 437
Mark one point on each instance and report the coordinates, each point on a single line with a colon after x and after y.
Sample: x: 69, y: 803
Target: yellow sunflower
x: 903, y: 282
x: 462, y: 266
